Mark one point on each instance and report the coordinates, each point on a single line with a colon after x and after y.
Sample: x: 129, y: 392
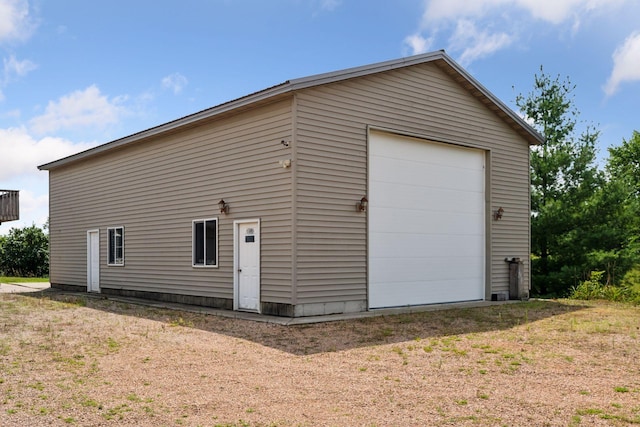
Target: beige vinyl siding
x: 331, y: 134
x: 156, y: 188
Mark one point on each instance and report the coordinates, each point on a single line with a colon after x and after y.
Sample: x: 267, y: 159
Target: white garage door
x: 426, y: 222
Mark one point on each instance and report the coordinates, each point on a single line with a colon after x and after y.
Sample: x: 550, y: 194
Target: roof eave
x: 530, y: 134
x: 191, y: 119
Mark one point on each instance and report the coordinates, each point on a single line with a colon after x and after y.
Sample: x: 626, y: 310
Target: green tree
x: 615, y: 213
x: 624, y: 164
x: 24, y: 252
x: 563, y: 178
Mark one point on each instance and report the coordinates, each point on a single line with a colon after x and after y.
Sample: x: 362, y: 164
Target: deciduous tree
x: 24, y: 252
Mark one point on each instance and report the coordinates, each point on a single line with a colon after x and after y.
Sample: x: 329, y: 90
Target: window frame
x: 204, y: 241
x: 112, y: 259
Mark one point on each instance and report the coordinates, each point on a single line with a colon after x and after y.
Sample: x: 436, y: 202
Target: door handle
x: 239, y: 270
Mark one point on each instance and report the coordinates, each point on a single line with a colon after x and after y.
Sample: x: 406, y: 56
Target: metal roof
x: 440, y: 58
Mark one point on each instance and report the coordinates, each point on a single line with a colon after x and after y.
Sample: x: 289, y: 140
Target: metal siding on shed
x: 156, y: 188
x: 332, y: 123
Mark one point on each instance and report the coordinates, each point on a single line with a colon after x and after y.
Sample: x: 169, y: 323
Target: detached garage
x: 394, y: 184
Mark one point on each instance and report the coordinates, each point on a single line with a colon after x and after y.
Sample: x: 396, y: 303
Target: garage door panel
x: 426, y: 222
x: 439, y: 154
x: 405, y: 197
x: 411, y: 221
x: 438, y: 176
x: 409, y: 245
x: 392, y: 294
x: 413, y: 269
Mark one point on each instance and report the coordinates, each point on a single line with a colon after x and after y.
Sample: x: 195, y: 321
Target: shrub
x: 594, y: 288
x: 25, y: 253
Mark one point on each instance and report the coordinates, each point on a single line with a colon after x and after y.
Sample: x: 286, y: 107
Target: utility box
x: 517, y: 290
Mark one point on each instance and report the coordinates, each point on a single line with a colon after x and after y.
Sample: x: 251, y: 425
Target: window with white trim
x: 115, y: 246
x: 205, y: 243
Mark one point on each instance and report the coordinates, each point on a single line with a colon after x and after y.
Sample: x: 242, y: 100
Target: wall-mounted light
x: 224, y: 206
x: 286, y: 163
x: 498, y: 214
x: 361, y: 206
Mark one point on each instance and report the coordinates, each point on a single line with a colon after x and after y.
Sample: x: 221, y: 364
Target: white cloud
x: 82, y: 108
x: 418, y: 44
x: 22, y: 153
x: 626, y: 64
x: 21, y: 156
x: 464, y: 17
x: 438, y: 10
x: 15, y: 21
x: 330, y: 5
x: 14, y: 67
x: 553, y: 11
x: 476, y: 44
x: 175, y: 82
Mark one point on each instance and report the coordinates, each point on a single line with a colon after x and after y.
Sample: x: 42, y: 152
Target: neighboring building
x: 399, y: 183
x: 9, y: 205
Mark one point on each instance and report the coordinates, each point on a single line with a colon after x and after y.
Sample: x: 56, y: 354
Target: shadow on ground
x: 336, y: 335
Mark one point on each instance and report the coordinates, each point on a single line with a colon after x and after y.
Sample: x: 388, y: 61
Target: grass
x: 8, y: 279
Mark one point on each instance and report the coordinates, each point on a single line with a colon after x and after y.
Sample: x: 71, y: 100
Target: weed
x: 112, y: 344
x: 180, y: 321
x: 402, y: 354
x: 133, y: 398
x: 589, y: 411
x: 117, y: 411
x: 386, y: 332
x: 575, y: 420
x: 4, y: 348
x: 90, y: 403
x: 621, y: 389
x: 37, y: 386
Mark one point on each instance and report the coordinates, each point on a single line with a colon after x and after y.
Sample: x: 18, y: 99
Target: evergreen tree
x: 563, y: 178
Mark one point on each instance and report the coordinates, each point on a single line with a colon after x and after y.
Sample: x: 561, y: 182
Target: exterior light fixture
x: 361, y: 206
x: 498, y: 214
x: 224, y: 206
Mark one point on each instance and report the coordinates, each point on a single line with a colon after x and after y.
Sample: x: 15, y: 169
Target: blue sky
x: 80, y: 73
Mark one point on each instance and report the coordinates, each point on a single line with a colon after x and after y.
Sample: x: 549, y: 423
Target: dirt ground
x: 73, y: 360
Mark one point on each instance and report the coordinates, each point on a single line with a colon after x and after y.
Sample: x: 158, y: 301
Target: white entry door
x: 247, y: 265
x: 93, y: 261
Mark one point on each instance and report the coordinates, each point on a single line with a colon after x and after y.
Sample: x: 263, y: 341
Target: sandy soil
x: 69, y: 360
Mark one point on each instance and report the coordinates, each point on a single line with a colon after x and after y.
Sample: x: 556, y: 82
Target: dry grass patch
x: 69, y: 360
